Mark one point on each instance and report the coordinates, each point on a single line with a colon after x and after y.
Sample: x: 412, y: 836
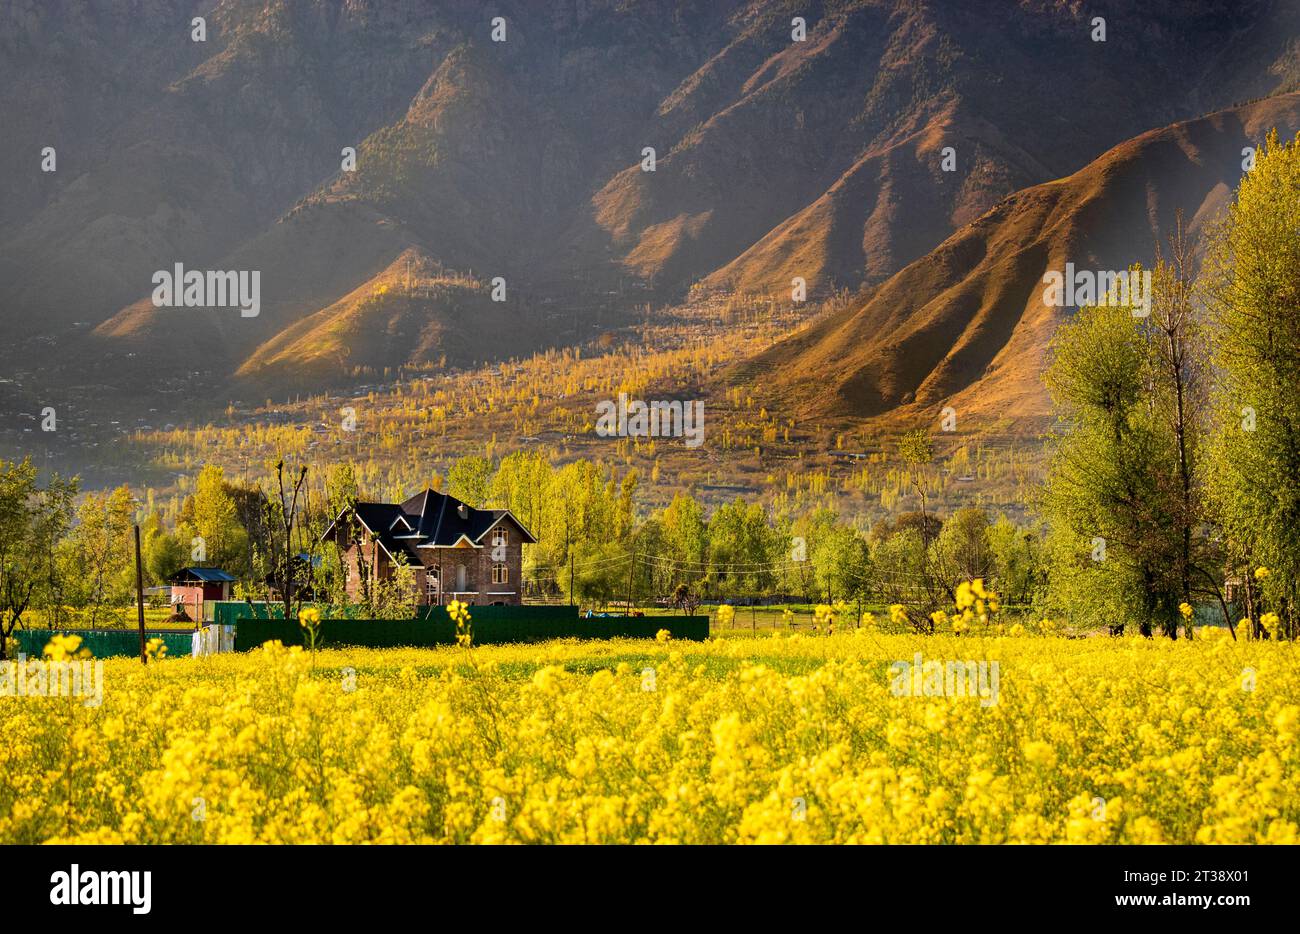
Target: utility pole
x: 139, y: 594
x: 568, y: 547
x: 631, y: 569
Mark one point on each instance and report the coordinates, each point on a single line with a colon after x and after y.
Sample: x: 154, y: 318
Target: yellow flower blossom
x: 735, y: 740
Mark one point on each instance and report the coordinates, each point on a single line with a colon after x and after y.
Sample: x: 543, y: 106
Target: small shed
x: 192, y: 587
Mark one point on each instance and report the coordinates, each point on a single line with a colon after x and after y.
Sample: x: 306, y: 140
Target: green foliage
x: 100, y: 555
x: 898, y: 559
x: 1108, y: 497
x: 1017, y: 556
x: 33, y: 520
x: 963, y: 551
x: 211, y: 515
x: 916, y: 448
x: 1253, y: 276
x: 842, y: 561
x: 741, y: 548
x: 162, y: 552
x: 341, y: 489
x: 470, y: 479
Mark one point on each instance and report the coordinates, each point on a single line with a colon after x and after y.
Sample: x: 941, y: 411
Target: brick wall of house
x: 478, y: 571
x: 377, y: 565
x: 479, y: 588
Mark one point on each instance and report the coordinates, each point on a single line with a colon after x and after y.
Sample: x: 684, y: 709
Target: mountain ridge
x: 819, y: 159
x: 967, y: 326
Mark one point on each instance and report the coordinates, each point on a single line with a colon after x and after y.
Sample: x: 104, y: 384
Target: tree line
x: 1176, y: 477
x: 69, y: 560
x: 1173, y: 483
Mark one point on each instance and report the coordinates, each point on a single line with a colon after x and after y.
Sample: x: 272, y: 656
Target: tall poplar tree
x: 1252, y: 271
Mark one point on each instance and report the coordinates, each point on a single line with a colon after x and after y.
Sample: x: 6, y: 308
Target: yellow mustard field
x: 754, y: 739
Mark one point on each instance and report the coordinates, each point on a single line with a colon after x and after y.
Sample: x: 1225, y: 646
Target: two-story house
x: 454, y: 551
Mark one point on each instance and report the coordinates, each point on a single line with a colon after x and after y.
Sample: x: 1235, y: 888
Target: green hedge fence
x: 103, y: 644
x: 490, y: 626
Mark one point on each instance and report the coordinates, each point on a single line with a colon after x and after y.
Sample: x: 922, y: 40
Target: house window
x: 500, y: 574
x: 431, y: 582
x: 500, y: 538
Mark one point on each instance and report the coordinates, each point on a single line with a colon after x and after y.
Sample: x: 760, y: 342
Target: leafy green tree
x: 652, y: 579
x: 215, y: 520
x: 962, y: 550
x: 33, y: 520
x: 811, y: 534
x: 341, y: 490
x: 1109, y: 500
x: 738, y: 550
x: 897, y: 560
x: 522, y: 484
x: 686, y: 537
x: 470, y: 479
x: 1178, y: 336
x: 162, y: 552
x: 598, y: 576
x: 251, y: 542
x: 1017, y: 561
x: 916, y: 450
x: 1252, y: 274
x: 925, y: 525
x: 842, y: 560
x: 102, y: 548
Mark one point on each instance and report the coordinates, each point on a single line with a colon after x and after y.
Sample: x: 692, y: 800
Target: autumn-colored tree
x: 219, y: 538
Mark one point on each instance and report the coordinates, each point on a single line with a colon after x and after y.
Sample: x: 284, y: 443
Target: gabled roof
x: 436, y: 520
x: 206, y: 575
x: 376, y: 517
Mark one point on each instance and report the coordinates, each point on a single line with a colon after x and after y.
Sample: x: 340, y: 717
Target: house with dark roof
x: 453, y: 551
x: 192, y: 587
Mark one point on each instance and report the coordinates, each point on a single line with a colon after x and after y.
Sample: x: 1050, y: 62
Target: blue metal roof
x: 207, y: 575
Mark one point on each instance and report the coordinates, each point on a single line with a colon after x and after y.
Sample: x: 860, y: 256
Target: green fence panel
x: 553, y: 612
x: 520, y: 625
x: 227, y: 612
x: 101, y: 643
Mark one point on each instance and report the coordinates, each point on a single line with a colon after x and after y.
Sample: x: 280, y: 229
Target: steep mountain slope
x: 480, y: 174
x: 967, y: 324
x: 412, y: 313
x: 173, y: 150
x: 824, y: 159
x: 820, y: 158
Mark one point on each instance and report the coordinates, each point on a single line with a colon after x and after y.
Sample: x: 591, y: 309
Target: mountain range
x: 935, y: 156
x: 968, y: 324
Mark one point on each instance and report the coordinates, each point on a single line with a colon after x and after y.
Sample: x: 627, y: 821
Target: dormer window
x: 500, y: 538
